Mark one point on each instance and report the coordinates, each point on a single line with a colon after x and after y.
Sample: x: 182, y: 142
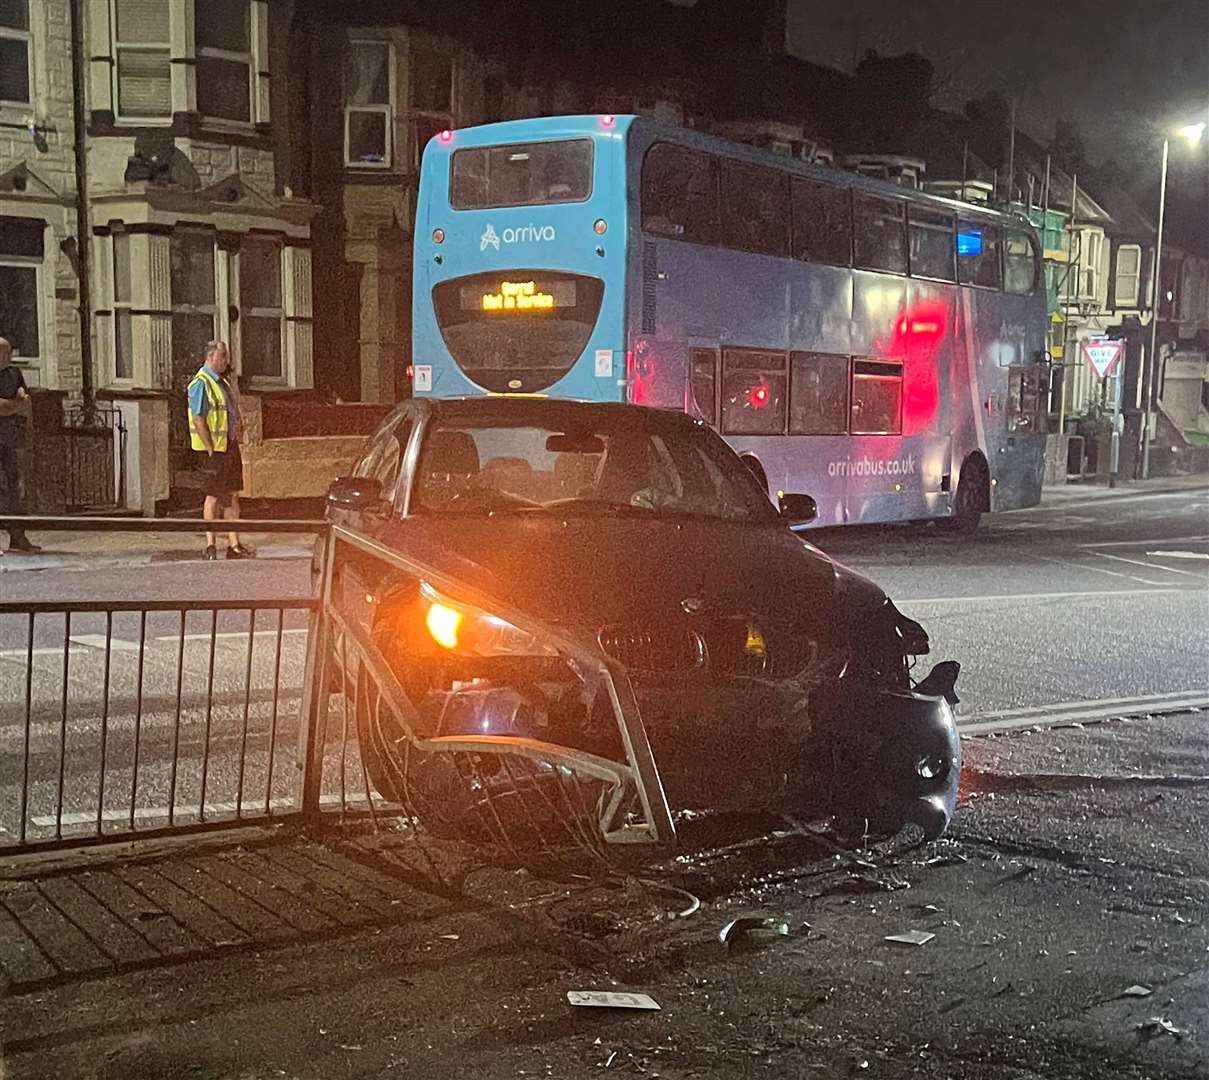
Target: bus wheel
x: 757, y: 470
x: 972, y: 497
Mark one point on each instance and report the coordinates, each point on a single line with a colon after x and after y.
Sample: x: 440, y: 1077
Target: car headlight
x: 465, y: 630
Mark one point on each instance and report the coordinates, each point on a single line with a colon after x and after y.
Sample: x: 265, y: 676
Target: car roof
x: 509, y: 410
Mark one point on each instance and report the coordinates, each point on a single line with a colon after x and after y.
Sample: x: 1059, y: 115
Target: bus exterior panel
x: 527, y: 298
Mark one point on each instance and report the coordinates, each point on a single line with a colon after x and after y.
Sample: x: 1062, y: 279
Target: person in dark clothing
x: 15, y: 412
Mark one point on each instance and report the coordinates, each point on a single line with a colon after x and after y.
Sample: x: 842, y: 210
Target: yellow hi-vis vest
x: 216, y: 414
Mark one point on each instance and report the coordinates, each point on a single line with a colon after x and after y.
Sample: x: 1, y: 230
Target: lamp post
x: 1193, y: 133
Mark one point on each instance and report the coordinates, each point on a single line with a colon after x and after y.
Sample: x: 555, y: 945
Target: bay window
x: 260, y: 320
x: 20, y: 280
x: 123, y: 302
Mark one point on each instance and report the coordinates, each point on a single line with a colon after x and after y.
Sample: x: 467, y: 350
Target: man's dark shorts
x: 222, y: 474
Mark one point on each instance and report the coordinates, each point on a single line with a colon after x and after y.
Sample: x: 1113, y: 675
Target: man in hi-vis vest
x: 214, y: 431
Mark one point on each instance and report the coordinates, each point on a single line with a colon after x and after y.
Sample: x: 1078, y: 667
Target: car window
x: 593, y: 469
x: 386, y: 452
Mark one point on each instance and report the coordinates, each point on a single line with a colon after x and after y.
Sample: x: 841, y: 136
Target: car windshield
x: 591, y: 469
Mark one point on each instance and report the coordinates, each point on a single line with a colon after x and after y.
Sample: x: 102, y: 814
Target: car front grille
x: 649, y: 650
x: 725, y: 646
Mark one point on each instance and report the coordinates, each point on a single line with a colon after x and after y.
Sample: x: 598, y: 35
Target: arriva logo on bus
x: 526, y: 234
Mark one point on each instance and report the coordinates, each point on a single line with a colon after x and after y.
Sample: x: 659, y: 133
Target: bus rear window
x: 521, y: 174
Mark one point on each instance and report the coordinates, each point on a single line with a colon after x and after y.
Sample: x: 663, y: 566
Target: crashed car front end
x: 742, y: 712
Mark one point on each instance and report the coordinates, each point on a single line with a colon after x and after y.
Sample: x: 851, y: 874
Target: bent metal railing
x: 574, y: 799
x: 124, y: 717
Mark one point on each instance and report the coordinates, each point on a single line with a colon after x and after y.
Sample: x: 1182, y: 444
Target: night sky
x: 1118, y: 69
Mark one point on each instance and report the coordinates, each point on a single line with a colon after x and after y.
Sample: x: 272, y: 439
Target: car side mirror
x: 797, y: 509
x: 355, y: 493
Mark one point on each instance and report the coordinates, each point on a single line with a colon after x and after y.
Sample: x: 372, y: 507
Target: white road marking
x: 1098, y: 570
x: 231, y: 634
x: 1149, y: 566
x: 1178, y: 555
x: 40, y: 650
x: 97, y: 641
x: 1012, y: 597
x: 1080, y: 713
x: 1148, y: 543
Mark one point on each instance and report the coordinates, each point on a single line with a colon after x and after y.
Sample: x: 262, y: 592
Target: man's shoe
x: 238, y: 551
x: 24, y: 545
x: 210, y: 554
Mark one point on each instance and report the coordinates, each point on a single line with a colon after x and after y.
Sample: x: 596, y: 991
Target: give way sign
x: 1102, y: 356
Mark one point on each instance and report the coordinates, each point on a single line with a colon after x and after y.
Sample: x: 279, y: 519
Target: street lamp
x: 1192, y: 133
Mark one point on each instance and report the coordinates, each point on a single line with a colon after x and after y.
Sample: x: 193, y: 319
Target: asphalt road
x: 1103, y: 601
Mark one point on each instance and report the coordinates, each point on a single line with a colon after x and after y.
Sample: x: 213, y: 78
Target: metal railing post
x: 312, y: 734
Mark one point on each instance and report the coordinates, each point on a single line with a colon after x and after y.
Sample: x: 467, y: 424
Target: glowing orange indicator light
x: 443, y: 624
x: 601, y: 226
x: 517, y: 296
x: 438, y: 236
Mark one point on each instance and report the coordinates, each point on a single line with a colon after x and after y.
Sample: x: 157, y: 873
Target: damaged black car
x: 764, y: 675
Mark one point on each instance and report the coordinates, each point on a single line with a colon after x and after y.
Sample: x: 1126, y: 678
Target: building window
x: 14, y: 52
x: 877, y: 398
x: 142, y: 60
x: 1129, y: 275
x: 193, y: 299
x: 123, y: 298
x: 20, y: 266
x: 260, y: 317
x: 432, y: 97
x: 368, y: 110
x: 224, y: 60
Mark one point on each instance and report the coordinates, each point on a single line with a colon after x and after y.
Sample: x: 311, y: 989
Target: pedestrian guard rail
x: 125, y: 717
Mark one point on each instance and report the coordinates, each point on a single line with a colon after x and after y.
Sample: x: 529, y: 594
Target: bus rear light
x: 601, y: 226
x: 446, y: 136
x: 438, y: 236
x: 410, y: 371
x: 757, y: 396
x: 608, y: 120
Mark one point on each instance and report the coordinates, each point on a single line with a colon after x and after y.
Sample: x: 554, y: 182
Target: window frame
x: 385, y: 110
x: 854, y: 374
x: 714, y: 173
x: 845, y: 418
x: 877, y: 197
x: 1136, y: 300
x: 26, y: 37
x: 118, y: 306
x: 732, y: 228
x: 36, y: 264
x: 983, y: 227
x: 728, y: 351
x: 163, y: 47
x: 1035, y: 260
x: 179, y: 307
x: 280, y: 380
x: 248, y: 59
x: 917, y: 213
x: 844, y: 193
x: 698, y: 354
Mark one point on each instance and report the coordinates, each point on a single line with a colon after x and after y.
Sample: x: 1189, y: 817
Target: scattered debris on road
x: 1137, y: 991
x: 1158, y: 1025
x: 752, y: 927
x: 911, y: 937
x: 610, y: 999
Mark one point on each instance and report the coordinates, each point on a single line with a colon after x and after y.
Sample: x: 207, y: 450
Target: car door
x: 358, y: 577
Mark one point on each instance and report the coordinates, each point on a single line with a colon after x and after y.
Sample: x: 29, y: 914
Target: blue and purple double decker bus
x: 877, y: 347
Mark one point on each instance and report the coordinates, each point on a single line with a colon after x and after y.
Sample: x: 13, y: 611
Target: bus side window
x: 822, y: 223
x: 877, y: 398
x: 753, y: 392
x: 703, y: 385
x: 755, y: 208
x: 680, y: 194
x: 932, y: 244
x: 978, y: 254
x: 1020, y: 264
x: 818, y: 394
x: 881, y: 234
